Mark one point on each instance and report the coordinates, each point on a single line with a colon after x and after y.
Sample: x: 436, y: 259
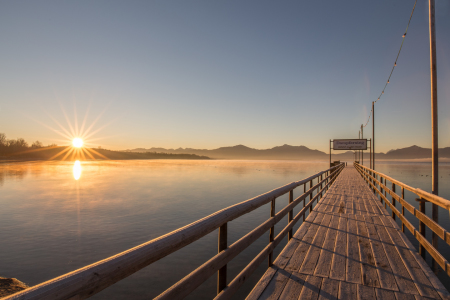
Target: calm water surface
x: 60, y: 216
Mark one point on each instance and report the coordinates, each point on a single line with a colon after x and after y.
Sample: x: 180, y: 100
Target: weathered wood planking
x: 349, y: 248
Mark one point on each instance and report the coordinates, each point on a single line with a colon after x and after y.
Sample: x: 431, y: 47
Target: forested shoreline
x: 19, y: 149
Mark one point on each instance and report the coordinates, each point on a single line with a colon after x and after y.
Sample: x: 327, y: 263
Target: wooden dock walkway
x: 349, y: 248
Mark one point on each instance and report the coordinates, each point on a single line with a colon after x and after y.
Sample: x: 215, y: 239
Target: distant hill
x: 46, y: 153
x: 413, y: 152
x: 288, y: 152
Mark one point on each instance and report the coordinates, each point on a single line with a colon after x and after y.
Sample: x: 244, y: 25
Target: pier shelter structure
x: 349, y: 246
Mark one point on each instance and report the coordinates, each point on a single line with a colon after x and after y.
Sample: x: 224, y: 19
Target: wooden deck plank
x: 347, y: 291
x: 276, y: 285
x: 262, y: 284
x: 353, y: 264
x: 384, y: 294
x: 329, y: 289
x: 349, y: 205
x: 293, y: 287
x: 400, y: 296
x: 338, y: 269
x: 365, y: 292
x: 299, y: 255
x: 387, y: 279
x: 312, y: 256
x: 282, y: 260
x: 311, y: 289
x: 326, y: 254
x: 369, y: 271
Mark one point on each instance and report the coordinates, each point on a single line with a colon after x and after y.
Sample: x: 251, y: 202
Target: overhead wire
x: 395, y: 63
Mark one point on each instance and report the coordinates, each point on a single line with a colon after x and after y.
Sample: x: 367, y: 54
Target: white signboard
x: 350, y: 144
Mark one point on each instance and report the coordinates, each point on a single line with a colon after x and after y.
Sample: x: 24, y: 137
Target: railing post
x: 304, y: 200
x: 421, y: 226
x: 223, y: 244
x: 374, y: 182
x: 272, y: 231
x: 403, y: 208
x: 310, y: 196
x: 291, y: 213
x: 321, y: 178
x: 393, y: 200
x: 381, y: 189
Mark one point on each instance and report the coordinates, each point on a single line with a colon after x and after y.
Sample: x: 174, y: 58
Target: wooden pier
x: 349, y: 247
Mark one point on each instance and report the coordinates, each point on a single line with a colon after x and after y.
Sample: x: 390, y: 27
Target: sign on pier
x: 350, y: 144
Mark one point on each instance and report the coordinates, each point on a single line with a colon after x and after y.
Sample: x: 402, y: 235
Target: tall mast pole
x: 362, y: 151
x: 373, y: 135
x: 434, y: 117
x: 359, y: 152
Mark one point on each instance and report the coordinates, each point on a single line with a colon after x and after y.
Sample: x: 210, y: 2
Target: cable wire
x: 395, y: 63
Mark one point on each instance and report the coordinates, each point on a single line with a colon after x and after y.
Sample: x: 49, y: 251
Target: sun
x: 77, y: 142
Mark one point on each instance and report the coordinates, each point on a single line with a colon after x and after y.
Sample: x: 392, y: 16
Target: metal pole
x: 362, y: 151
x: 330, y: 153
x: 373, y: 135
x: 359, y: 151
x: 434, y: 121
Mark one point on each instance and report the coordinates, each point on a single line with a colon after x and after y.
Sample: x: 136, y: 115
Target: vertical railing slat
x: 291, y: 213
x: 272, y: 231
x: 421, y: 226
x: 223, y: 244
x: 393, y: 200
x: 304, y: 200
x: 403, y: 208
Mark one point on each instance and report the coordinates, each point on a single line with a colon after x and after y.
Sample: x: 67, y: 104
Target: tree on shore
x: 15, y: 146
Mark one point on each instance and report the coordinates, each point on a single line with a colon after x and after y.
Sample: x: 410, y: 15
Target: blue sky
x: 206, y: 74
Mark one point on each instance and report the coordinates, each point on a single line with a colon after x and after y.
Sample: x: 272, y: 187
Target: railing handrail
x: 435, y: 199
x: 89, y: 280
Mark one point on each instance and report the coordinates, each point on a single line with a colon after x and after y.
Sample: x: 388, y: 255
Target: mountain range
x: 288, y: 152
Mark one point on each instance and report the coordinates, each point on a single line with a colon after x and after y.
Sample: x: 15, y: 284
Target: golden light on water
x: 77, y: 170
x: 77, y: 142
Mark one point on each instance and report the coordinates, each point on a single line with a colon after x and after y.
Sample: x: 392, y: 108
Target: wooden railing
x: 378, y: 182
x: 87, y: 281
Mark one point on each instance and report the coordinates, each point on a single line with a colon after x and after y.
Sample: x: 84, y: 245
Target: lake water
x: 57, y: 217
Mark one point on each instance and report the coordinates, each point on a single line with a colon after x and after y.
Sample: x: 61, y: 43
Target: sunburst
x: 78, y: 139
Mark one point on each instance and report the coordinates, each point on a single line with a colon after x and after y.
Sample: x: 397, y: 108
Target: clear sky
x: 206, y: 74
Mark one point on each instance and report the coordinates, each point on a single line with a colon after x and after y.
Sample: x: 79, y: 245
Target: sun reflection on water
x: 77, y: 170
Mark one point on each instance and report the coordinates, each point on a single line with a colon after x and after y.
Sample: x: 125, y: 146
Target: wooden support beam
x: 223, y: 244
